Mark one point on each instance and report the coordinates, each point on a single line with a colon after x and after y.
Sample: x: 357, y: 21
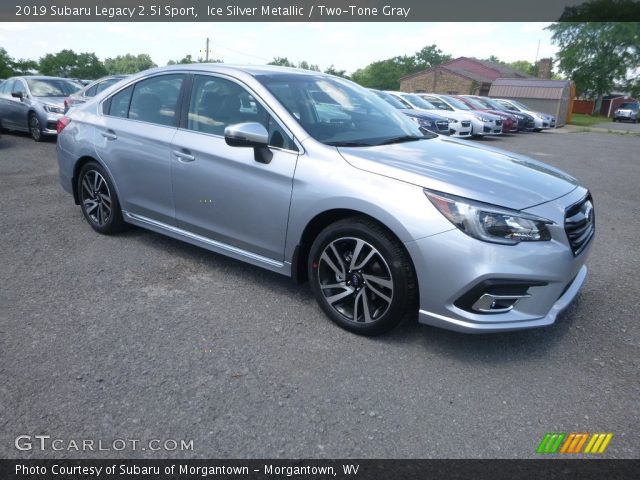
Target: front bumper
x: 450, y: 266
x: 49, y: 123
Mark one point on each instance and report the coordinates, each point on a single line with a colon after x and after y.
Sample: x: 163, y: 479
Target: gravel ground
x: 141, y: 337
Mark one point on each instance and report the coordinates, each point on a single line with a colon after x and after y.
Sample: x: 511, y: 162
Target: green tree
x: 6, y: 64
x: 25, y: 67
x: 524, y: 66
x: 338, y: 73
x: 428, y: 57
x: 595, y: 55
x: 123, y: 64
x: 281, y: 61
x: 67, y: 63
x: 383, y: 74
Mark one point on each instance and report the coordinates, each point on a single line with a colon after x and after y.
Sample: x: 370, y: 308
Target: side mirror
x: 250, y: 134
x: 19, y: 95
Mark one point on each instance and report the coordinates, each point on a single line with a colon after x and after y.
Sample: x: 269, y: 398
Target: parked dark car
x: 509, y: 121
x: 428, y: 122
x: 525, y: 121
x: 34, y: 104
x: 91, y: 90
x: 627, y: 111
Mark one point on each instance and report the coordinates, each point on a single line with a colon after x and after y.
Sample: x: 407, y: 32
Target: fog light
x: 489, y: 303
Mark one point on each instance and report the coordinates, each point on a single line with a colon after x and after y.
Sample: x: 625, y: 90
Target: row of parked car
x: 34, y: 104
x: 467, y: 115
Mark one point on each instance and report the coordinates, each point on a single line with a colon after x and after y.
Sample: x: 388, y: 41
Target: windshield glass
x: 390, y: 99
x: 628, y: 106
x: 520, y: 105
x: 419, y: 102
x: 339, y: 113
x: 455, y: 103
x: 52, y: 87
x: 476, y: 103
x: 437, y: 103
x: 491, y: 103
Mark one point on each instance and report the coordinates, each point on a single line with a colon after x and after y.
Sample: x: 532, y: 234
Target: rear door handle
x: 109, y: 135
x: 184, y: 156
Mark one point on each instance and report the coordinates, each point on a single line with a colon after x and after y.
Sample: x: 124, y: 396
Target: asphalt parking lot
x: 138, y: 336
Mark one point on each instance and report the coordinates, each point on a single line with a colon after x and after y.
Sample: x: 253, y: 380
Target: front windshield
x: 476, y: 103
x: 455, y: 103
x: 419, y: 102
x: 339, y: 113
x: 390, y: 99
x: 438, y: 104
x: 493, y: 104
x: 520, y: 105
x: 628, y: 106
x: 52, y: 87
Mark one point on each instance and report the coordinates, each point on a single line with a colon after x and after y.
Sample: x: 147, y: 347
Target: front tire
x: 362, y: 277
x: 35, y: 128
x: 98, y: 200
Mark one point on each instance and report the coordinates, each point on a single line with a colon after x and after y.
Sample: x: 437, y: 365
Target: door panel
x: 134, y: 141
x: 222, y: 192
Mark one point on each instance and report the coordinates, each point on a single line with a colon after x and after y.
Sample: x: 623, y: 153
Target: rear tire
x: 362, y: 277
x: 98, y: 200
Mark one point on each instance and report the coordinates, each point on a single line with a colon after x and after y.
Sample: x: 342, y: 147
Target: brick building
x: 461, y: 76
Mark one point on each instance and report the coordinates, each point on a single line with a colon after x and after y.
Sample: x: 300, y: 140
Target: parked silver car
x: 384, y: 222
x: 34, y: 103
x: 91, y: 90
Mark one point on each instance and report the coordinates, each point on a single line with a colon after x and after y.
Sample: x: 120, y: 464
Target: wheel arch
x: 316, y: 225
x: 82, y: 161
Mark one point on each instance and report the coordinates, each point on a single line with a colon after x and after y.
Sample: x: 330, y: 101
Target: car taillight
x: 61, y: 123
x: 66, y: 102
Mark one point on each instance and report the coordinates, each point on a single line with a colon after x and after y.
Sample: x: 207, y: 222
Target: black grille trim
x: 465, y: 123
x: 580, y: 224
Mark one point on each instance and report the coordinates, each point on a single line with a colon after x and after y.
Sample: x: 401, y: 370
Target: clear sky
x: 347, y: 46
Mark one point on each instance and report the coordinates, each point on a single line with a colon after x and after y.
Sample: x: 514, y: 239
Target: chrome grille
x: 442, y: 125
x: 498, y: 122
x: 465, y: 123
x: 580, y: 225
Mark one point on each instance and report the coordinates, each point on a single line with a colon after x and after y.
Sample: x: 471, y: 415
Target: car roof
x: 253, y: 70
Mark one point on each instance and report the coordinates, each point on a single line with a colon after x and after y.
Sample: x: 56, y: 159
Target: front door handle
x: 183, y: 156
x: 109, y: 135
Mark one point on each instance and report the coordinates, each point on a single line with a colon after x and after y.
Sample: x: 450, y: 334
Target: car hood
x: 453, y: 166
x: 455, y: 114
x: 58, y: 101
x: 426, y: 114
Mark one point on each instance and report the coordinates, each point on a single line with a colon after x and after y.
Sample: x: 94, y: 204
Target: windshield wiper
x: 404, y: 138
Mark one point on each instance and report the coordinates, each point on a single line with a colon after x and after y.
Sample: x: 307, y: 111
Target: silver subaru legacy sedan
x: 384, y: 222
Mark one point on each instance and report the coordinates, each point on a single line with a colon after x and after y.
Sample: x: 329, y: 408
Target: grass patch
x: 582, y: 120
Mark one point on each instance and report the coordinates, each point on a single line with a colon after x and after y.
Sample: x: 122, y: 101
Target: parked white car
x: 542, y: 121
x: 482, y: 123
x: 459, y: 125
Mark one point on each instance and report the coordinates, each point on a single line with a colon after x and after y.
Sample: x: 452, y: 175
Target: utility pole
x: 206, y: 51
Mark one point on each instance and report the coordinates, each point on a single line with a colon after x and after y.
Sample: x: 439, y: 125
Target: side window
x: 154, y: 100
x: 18, y: 86
x: 7, y: 87
x: 217, y: 102
x: 104, y: 85
x: 119, y: 103
x: 91, y: 92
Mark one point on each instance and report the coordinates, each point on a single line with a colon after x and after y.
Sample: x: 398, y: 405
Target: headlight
x: 481, y: 118
x: 452, y: 120
x: 488, y: 222
x: 422, y: 122
x: 53, y: 109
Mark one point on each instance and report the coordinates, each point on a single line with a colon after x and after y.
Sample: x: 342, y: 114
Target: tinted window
x: 440, y: 105
x: 119, y: 104
x: 91, y: 92
x: 217, y: 102
x: 154, y: 100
